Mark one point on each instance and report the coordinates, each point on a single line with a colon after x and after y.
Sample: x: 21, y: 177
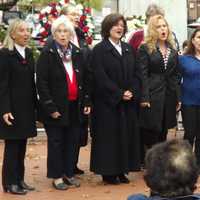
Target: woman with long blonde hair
x: 160, y: 81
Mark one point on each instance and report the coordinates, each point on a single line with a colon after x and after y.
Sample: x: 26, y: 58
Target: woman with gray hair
x: 61, y: 85
x: 79, y: 39
x: 17, y: 105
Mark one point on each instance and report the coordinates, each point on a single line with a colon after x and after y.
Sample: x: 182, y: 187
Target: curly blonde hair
x: 152, y: 34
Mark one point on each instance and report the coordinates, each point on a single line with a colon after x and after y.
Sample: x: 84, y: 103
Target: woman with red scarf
x: 62, y: 91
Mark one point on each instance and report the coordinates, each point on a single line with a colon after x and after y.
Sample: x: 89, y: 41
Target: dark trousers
x: 63, y: 146
x: 83, y: 136
x: 13, y: 162
x: 149, y: 138
x: 191, y: 123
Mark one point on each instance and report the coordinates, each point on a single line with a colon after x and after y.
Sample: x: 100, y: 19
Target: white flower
x: 135, y: 23
x: 91, y: 26
x: 72, y: 2
x: 42, y: 29
x: 79, y: 7
x: 46, y: 10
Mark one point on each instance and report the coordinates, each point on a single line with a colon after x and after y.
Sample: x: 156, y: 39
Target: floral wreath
x: 52, y: 11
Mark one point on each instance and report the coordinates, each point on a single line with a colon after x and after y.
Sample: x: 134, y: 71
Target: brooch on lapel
x: 24, y: 62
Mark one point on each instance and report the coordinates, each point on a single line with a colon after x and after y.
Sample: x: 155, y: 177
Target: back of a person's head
x: 171, y: 169
x: 153, y: 9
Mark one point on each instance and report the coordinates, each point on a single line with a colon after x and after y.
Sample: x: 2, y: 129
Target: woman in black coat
x: 72, y: 13
x: 63, y: 93
x: 17, y: 105
x: 115, y: 136
x: 160, y: 81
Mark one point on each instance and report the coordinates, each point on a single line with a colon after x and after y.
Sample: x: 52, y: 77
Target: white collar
x: 114, y: 44
x: 118, y: 46
x: 20, y: 49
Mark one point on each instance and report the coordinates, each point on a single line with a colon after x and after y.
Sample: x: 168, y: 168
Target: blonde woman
x: 160, y: 81
x: 17, y: 105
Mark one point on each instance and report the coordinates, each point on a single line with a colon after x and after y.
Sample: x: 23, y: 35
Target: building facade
x: 193, y: 10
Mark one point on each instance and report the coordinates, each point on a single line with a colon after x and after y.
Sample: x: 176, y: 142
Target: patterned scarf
x: 64, y: 53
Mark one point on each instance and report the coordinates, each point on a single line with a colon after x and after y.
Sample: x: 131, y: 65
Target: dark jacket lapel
x: 53, y: 50
x: 111, y: 48
x: 125, y: 52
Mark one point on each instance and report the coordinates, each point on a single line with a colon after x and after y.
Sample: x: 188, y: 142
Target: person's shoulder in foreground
x: 137, y: 197
x: 195, y: 196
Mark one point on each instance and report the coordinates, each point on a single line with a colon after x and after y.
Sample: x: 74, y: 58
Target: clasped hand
x: 128, y: 95
x: 8, y: 117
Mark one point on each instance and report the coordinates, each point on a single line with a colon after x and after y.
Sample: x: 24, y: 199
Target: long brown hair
x: 191, y: 49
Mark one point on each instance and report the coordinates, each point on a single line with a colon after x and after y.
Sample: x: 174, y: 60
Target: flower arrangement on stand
x: 52, y: 11
x: 87, y: 25
x: 45, y: 18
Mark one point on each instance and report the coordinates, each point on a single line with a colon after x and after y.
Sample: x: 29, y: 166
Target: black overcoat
x: 87, y: 59
x: 52, y: 85
x: 86, y: 53
x: 160, y: 87
x: 17, y: 94
x: 115, y: 139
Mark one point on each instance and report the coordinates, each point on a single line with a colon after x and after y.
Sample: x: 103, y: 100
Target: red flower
x: 85, y: 29
x: 53, y: 11
x: 41, y: 16
x: 89, y: 40
x: 66, y: 1
x: 46, y: 26
x: 44, y: 33
x: 24, y: 62
x: 83, y: 18
x: 88, y: 10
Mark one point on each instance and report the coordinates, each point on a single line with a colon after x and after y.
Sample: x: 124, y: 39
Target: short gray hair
x: 154, y: 9
x: 65, y: 21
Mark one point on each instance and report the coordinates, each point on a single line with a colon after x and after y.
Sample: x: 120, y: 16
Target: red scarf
x: 72, y: 87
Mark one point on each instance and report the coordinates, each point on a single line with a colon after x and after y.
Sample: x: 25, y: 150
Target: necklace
x: 165, y: 54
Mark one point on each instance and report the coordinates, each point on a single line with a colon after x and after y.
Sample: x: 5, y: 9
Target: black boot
x: 14, y: 189
x: 123, y: 179
x: 113, y: 180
